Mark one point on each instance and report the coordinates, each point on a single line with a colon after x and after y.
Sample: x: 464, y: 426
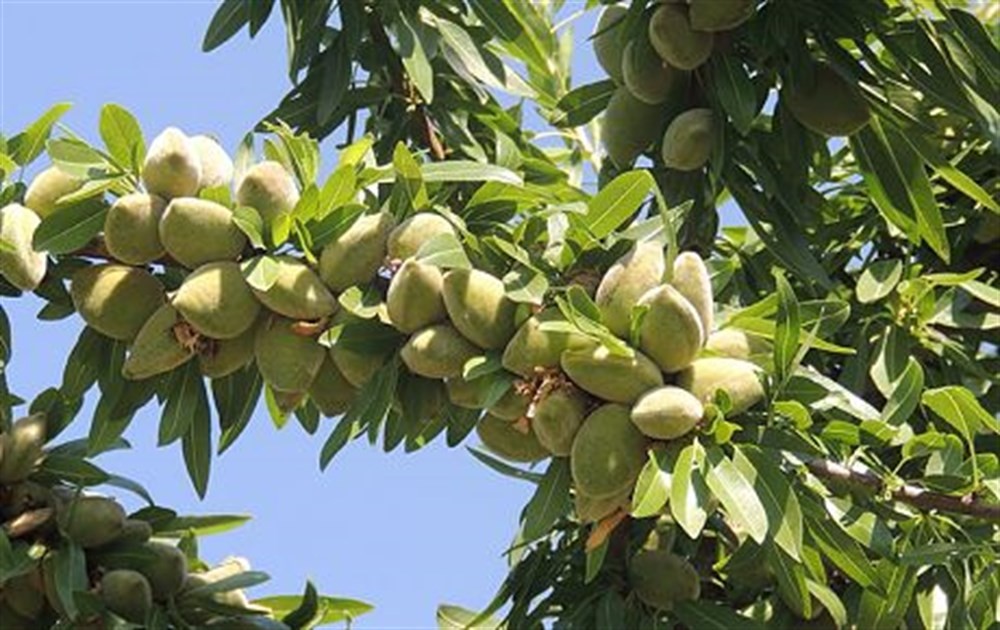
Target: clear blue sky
x: 404, y: 532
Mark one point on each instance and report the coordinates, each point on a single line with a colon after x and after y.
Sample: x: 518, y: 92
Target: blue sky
x: 403, y: 532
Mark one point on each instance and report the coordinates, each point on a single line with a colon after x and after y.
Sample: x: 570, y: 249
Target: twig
x: 912, y: 495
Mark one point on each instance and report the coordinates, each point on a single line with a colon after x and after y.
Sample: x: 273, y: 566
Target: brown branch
x: 403, y: 88
x: 911, y: 495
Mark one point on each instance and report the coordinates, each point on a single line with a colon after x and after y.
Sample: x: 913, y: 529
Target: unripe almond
x: 198, y: 231
x: 667, y: 413
x: 612, y: 377
x: 269, y: 189
x: 156, y: 349
x: 172, y: 168
x: 217, y: 301
x: 407, y: 237
x: 625, y: 282
x: 608, y: 453
x: 132, y: 228
x: 354, y: 257
x: 674, y: 39
x: 503, y: 438
x: 437, y: 351
x: 739, y: 379
x: 691, y: 280
x: 479, y: 308
x: 660, y: 579
x: 415, y: 297
x: 287, y: 361
x: 687, y: 142
x: 21, y: 448
x: 20, y: 264
x: 47, y: 188
x: 670, y: 332
x: 297, y: 292
x: 216, y: 165
x: 116, y: 300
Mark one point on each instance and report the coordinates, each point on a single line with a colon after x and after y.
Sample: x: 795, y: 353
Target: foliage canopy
x: 857, y: 484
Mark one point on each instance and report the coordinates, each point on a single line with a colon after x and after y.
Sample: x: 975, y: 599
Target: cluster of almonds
x: 571, y: 395
x: 127, y: 568
x: 654, y: 70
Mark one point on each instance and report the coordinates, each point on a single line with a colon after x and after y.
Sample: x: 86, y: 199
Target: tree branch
x: 911, y: 495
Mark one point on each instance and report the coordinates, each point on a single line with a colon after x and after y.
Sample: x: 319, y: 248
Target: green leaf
x: 69, y: 575
x: 134, y: 487
x: 735, y: 91
x: 405, y: 40
x: 886, y: 611
x: 526, y: 286
x: 197, y: 447
x: 507, y: 26
x: 249, y: 221
x: 617, y: 202
x: 962, y: 182
x: 787, y: 328
x: 229, y: 18
x: 595, y: 560
x: 652, y: 489
x: 706, y: 615
x: 261, y: 272
x: 689, y: 494
x: 186, y: 403
x: 939, y: 554
x: 582, y: 104
x: 550, y: 501
x: 451, y: 617
x: 202, y: 525
x: 82, y: 365
x: 27, y: 145
x: 371, y: 405
x: 445, y: 251
x: 328, y: 609
x: 467, y: 171
x: 7, y: 166
x: 409, y: 181
x: 784, y: 515
x: 235, y: 398
x: 843, y: 552
x: 336, y: 78
x: 899, y: 185
x: 791, y: 578
x: 260, y: 10
x: 736, y: 493
x: 122, y: 136
x: 878, y: 280
x: 777, y: 229
x: 303, y: 616
x: 610, y: 611
x: 71, y: 227
x: 464, y: 56
x: 241, y: 580
x: 338, y: 190
x: 504, y: 468
x: 958, y: 407
x: 334, y: 223
x: 905, y: 394
x: 73, y: 470
x: 830, y: 601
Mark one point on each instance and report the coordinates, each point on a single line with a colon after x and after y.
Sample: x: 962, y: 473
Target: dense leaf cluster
x: 862, y: 493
